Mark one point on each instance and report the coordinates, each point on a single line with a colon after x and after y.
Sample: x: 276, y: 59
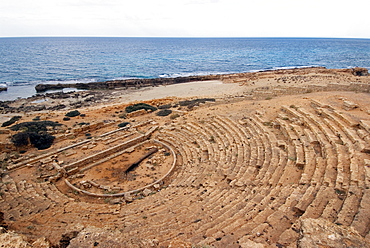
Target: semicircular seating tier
x: 233, y: 181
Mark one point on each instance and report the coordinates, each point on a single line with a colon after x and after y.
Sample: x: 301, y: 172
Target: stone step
x: 310, y: 165
x: 318, y: 204
x: 50, y: 191
x: 307, y: 198
x: 279, y: 170
x: 350, y: 206
x: 332, y: 208
x: 361, y: 221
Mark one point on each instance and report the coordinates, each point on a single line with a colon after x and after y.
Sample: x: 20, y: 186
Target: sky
x: 185, y: 18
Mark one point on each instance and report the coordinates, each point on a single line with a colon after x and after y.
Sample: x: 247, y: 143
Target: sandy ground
x: 199, y: 89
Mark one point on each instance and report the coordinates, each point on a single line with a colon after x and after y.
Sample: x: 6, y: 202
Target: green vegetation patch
x: 40, y: 141
x: 37, y: 118
x: 164, y: 112
x: 196, y: 102
x: 139, y: 106
x: 34, y: 126
x: 13, y: 120
x: 165, y: 106
x: 174, y: 116
x: 73, y: 113
x: 123, y: 124
x: 34, y: 133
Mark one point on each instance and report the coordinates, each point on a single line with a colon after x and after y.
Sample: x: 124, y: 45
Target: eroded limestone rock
x: 13, y: 240
x: 317, y: 233
x: 97, y: 237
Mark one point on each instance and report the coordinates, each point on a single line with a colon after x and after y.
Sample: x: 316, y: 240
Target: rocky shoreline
x: 100, y: 92
x: 126, y: 84
x: 152, y: 82
x: 52, y: 101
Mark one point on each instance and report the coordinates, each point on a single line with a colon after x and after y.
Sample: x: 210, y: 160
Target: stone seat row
x: 191, y: 156
x: 341, y: 140
x: 252, y: 158
x: 242, y: 159
x: 25, y: 198
x: 306, y: 193
x: 348, y: 164
x: 309, y: 198
x: 302, y: 197
x: 271, y: 166
x: 265, y: 164
x: 325, y: 138
x: 230, y: 210
x: 337, y: 209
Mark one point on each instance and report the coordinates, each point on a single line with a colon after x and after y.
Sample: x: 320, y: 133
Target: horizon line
x: 188, y: 37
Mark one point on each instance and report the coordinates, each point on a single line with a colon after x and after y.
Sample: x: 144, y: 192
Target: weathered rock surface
x: 177, y: 243
x: 348, y: 105
x: 251, y: 244
x: 46, y: 102
x: 41, y: 243
x: 317, y: 233
x: 96, y: 237
x: 13, y: 240
x: 358, y: 71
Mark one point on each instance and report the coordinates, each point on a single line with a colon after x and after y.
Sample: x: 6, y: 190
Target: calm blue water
x: 25, y: 62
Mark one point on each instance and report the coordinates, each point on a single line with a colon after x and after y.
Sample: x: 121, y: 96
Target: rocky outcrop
x: 92, y: 236
x: 75, y: 100
x: 358, y: 71
x: 2, y: 223
x: 15, y: 240
x: 2, y: 88
x: 322, y: 233
x: 129, y: 83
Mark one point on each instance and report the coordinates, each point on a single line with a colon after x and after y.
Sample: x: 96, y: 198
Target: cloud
x: 184, y: 18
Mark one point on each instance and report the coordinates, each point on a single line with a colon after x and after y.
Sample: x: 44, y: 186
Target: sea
x: 26, y: 62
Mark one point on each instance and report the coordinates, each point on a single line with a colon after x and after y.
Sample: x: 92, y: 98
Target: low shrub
x: 196, y: 102
x: 164, y: 112
x: 139, y: 106
x: 40, y: 141
x: 83, y: 123
x: 174, y: 116
x: 13, y: 120
x: 34, y: 126
x: 122, y: 116
x: 165, y: 106
x: 20, y: 139
x: 123, y: 124
x: 34, y: 133
x: 73, y: 113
